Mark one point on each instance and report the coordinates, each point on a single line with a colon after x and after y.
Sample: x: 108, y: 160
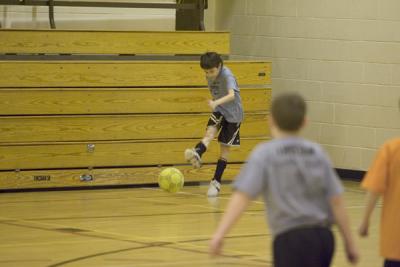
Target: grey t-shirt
x: 296, y: 180
x: 232, y: 111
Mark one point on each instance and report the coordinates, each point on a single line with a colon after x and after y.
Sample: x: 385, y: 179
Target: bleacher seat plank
x: 117, y: 127
x: 109, y: 154
x: 112, y: 42
x: 22, y: 101
x: 121, y: 73
x: 104, y: 177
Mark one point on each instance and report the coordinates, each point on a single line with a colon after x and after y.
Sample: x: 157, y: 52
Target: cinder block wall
x: 343, y: 56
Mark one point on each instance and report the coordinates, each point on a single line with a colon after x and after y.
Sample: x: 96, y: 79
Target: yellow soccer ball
x: 171, y: 180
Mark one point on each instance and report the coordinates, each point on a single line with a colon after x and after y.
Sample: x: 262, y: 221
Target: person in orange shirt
x: 383, y: 179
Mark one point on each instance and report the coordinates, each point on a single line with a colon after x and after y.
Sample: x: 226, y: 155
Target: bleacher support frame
x: 53, y: 3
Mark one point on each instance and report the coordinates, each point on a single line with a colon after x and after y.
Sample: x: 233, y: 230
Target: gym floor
x: 146, y: 227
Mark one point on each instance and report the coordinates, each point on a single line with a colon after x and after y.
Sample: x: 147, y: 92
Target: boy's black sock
x: 200, y: 148
x: 221, y: 165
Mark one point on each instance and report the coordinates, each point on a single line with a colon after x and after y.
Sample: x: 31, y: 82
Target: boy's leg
x: 215, y: 184
x: 229, y: 136
x: 211, y: 132
x: 289, y: 248
x: 222, y: 162
x: 390, y: 263
x: 193, y: 155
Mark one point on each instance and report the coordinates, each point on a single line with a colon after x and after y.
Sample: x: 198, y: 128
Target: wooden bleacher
x: 118, y: 121
x: 112, y: 42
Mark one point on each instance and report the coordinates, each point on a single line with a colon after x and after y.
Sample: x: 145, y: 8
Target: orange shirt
x: 383, y: 177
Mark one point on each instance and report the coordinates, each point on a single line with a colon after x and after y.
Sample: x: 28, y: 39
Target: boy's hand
x: 212, y: 104
x: 352, y: 254
x: 216, y: 244
x: 363, y: 229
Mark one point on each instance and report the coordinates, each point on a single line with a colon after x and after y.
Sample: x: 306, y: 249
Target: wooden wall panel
x: 104, y: 177
x: 20, y: 101
x: 112, y: 42
x: 121, y: 73
x: 117, y: 127
x: 109, y: 154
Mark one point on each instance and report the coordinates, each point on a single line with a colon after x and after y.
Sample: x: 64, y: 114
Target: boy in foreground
x: 302, y: 193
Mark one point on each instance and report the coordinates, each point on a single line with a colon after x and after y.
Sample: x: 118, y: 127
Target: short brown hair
x: 210, y: 60
x: 288, y: 111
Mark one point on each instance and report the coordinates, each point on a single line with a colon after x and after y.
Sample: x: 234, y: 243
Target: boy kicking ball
x: 227, y: 114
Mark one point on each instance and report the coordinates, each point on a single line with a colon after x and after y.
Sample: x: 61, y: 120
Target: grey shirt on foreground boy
x: 292, y: 165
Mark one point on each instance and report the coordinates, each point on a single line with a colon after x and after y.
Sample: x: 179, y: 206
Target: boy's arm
x: 229, y: 97
x: 237, y: 205
x: 340, y: 214
x: 375, y: 182
x: 372, y: 199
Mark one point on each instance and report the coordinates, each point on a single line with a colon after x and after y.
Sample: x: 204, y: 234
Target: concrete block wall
x: 342, y: 56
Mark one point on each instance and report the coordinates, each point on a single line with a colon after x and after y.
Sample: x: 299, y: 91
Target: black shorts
x: 229, y: 131
x: 391, y: 263
x: 309, y: 246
